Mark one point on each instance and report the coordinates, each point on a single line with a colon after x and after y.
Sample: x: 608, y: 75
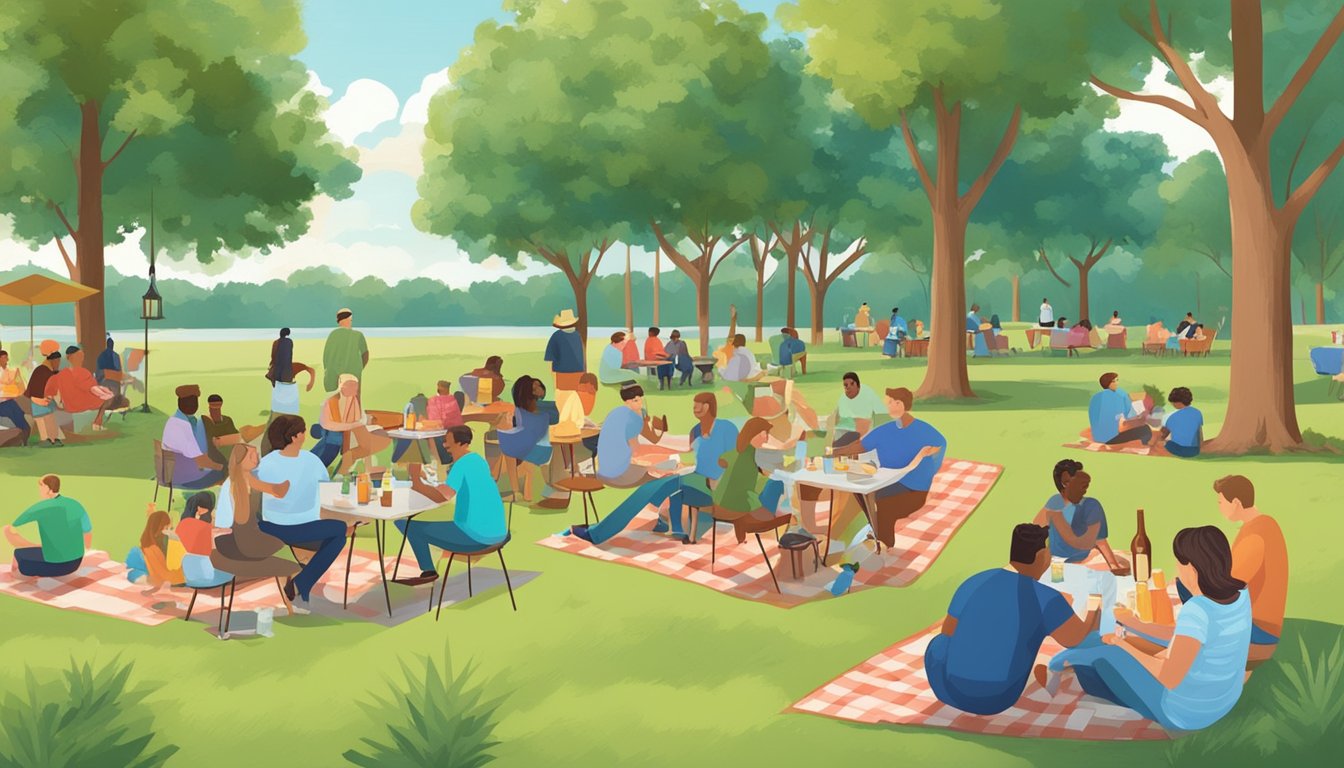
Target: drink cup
x: 1093, y: 602
x: 1057, y: 570
x: 1159, y: 579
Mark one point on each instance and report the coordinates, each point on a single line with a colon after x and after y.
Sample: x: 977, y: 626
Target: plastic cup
x: 1057, y: 570
x: 1159, y: 579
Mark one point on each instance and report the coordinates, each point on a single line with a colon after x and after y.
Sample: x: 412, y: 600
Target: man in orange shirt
x: 1259, y: 558
x: 654, y: 350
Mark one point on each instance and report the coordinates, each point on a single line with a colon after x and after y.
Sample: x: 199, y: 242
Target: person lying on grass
x: 1077, y: 521
x: 1198, y: 679
x: 982, y: 659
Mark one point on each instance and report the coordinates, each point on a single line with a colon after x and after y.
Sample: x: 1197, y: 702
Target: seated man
x: 681, y: 357
x: 1112, y: 416
x: 77, y: 389
x: 220, y: 433
x: 742, y: 365
x: 63, y: 528
x: 620, y: 434
x: 610, y: 367
x: 576, y: 406
x: 184, y: 435
x: 478, y: 511
x: 44, y: 408
x: 654, y: 350
x: 1259, y: 558
x: 1183, y: 429
x: 855, y: 410
x: 994, y: 628
x: 296, y: 518
x: 1076, y: 521
x: 896, y: 334
x: 792, y: 349
x: 903, y: 443
x: 711, y: 438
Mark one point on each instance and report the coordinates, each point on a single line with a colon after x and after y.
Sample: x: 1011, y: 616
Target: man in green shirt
x: 346, y: 352
x: 63, y: 528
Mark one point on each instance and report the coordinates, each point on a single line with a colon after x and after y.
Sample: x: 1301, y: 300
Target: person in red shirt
x: 77, y: 390
x: 654, y: 350
x: 196, y: 531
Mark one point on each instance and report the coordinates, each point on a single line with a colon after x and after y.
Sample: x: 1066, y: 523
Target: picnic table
x: 863, y: 490
x: 1034, y: 336
x: 406, y: 504
x: 423, y: 440
x: 1081, y: 581
x: 705, y: 365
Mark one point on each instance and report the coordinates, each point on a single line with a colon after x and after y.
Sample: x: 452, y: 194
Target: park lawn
x: 606, y: 665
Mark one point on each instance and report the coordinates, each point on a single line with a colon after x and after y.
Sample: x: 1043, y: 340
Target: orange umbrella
x: 38, y: 289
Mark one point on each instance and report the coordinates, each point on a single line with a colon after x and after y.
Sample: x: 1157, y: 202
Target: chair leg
x: 470, y: 593
x: 507, y: 581
x: 191, y: 605
x: 761, y: 544
x: 284, y: 599
x: 713, y: 543
x: 593, y: 501
x: 444, y: 586
x: 349, y: 562
x: 228, y: 616
x: 223, y: 593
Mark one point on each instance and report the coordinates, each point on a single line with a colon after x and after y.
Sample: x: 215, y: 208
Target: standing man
x: 1047, y: 318
x: 63, y: 529
x: 564, y: 351
x: 346, y: 352
x: 184, y: 434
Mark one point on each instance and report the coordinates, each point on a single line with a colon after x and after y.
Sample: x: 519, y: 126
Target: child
x: 154, y: 543
x: 1183, y: 429
x: 198, y: 540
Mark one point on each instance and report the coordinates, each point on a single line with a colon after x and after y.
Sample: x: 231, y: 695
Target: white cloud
x: 366, y: 105
x: 315, y: 85
x: 400, y: 153
x: 1183, y: 138
x: 417, y: 106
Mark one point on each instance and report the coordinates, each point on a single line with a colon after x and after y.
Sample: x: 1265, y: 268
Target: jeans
x: 1142, y: 433
x: 10, y: 409
x: 31, y: 563
x: 1110, y: 672
x: 955, y: 694
x: 328, y: 535
x: 654, y: 492
x: 444, y: 535
x: 1183, y: 451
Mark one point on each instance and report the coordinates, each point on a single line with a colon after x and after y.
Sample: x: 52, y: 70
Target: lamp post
x: 151, y: 304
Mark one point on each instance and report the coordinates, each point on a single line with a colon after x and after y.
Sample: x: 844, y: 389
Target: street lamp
x: 151, y: 304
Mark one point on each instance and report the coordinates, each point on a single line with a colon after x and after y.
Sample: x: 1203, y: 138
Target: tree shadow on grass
x: 1013, y: 396
x: 1316, y: 392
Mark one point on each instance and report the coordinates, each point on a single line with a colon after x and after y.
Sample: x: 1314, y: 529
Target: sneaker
x: 425, y: 577
x: 662, y: 527
x: 581, y: 532
x: 301, y: 607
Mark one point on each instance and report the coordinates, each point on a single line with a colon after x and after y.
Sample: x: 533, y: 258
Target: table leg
x: 863, y: 499
x: 404, y: 535
x: 379, y: 531
x: 349, y: 561
x: 830, y: 520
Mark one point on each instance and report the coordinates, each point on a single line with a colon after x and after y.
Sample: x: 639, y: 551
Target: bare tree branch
x: 1051, y: 267
x: 714, y: 269
x: 972, y: 197
x: 1199, y: 95
x: 124, y: 142
x: 673, y: 255
x: 53, y: 206
x: 69, y: 264
x: 1184, y: 110
x: 1297, y: 201
x: 913, y: 148
x: 1279, y: 110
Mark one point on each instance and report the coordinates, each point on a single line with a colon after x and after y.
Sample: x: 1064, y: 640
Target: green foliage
x: 85, y: 718
x: 435, y: 718
x: 1301, y: 722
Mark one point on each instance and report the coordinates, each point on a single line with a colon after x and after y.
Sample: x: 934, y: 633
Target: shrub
x: 85, y: 717
x: 1300, y: 719
x: 433, y: 718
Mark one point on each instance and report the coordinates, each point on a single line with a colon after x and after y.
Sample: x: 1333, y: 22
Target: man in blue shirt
x: 896, y: 335
x: 982, y: 659
x: 1112, y: 416
x: 902, y: 443
x: 478, y: 512
x: 1077, y: 522
x: 1183, y: 431
x: 711, y: 438
x: 564, y: 351
x: 609, y: 366
x: 619, y: 436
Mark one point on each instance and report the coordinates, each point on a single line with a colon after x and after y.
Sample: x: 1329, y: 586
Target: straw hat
x: 565, y: 429
x: 566, y: 319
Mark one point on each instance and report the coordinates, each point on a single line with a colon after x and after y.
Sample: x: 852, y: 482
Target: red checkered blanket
x: 740, y: 570
x: 891, y: 687
x: 100, y: 587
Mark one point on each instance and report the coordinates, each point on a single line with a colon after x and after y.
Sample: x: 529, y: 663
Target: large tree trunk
x: 580, y: 288
x: 818, y: 310
x: 657, y: 286
x: 1320, y: 303
x: 791, y: 261
x: 629, y: 299
x: 702, y: 309
x: 1017, y: 299
x: 1260, y: 407
x: 1084, y: 307
x: 90, y: 320
x: 760, y: 300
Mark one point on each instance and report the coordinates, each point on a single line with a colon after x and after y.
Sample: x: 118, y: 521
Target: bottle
x: 363, y: 489
x: 385, y: 498
x: 408, y: 418
x: 1142, y: 551
x: 345, y: 484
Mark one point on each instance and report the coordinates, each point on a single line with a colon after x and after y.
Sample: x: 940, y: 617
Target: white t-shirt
x: 1047, y: 313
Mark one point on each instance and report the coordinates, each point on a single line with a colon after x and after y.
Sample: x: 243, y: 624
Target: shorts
x: 31, y: 563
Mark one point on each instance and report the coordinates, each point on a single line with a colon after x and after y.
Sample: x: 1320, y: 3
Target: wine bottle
x: 1142, y: 551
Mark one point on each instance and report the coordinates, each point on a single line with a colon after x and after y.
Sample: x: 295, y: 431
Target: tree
x: 762, y: 253
x: 963, y: 72
x: 113, y: 100
x: 1240, y: 39
x: 1195, y: 218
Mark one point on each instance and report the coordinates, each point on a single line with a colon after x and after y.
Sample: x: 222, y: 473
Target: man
x: 11, y: 387
x: 75, y: 388
x: 791, y: 348
x: 564, y: 351
x: 184, y: 434
x: 681, y: 358
x: 900, y: 443
x: 994, y: 628
x: 855, y: 410
x: 610, y: 368
x: 1183, y: 429
x: 710, y: 439
x: 896, y: 334
x: 1047, y: 316
x: 575, y: 407
x: 1112, y: 417
x: 977, y: 336
x: 44, y: 410
x: 63, y: 528
x: 1187, y: 328
x: 296, y: 518
x: 346, y: 351
x: 478, y: 512
x: 620, y: 434
x: 654, y: 350
x: 1259, y: 558
x: 220, y: 433
x: 1076, y: 521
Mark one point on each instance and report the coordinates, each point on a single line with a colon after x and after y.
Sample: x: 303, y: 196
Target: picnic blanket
x: 891, y: 687
x: 100, y: 587
x: 740, y: 571
x: 1133, y: 449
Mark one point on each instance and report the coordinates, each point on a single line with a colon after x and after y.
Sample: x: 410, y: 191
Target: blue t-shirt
x: 1184, y: 424
x: 477, y: 509
x: 1002, y: 617
x: 898, y: 324
x: 609, y: 370
x: 789, y: 349
x: 1080, y: 517
x: 304, y: 472
x: 1213, y: 684
x: 896, y: 446
x: 613, y: 443
x: 565, y: 352
x: 708, y: 450
x: 1104, y: 412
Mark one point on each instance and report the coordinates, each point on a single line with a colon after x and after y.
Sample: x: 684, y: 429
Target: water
x: 65, y: 334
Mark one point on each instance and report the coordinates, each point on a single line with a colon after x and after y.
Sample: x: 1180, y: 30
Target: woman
x: 108, y: 362
x: 742, y: 365
x: 343, y: 413
x: 680, y: 355
x: 1115, y: 324
x: 491, y: 372
x: 528, y: 442
x: 1200, y: 678
x: 743, y: 494
x: 245, y: 551
x: 281, y: 370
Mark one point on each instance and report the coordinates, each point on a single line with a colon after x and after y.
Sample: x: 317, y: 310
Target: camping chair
x: 791, y: 370
x: 165, y: 464
x: 745, y: 524
x: 1118, y: 340
x: 1329, y: 362
x: 133, y: 369
x: 496, y: 549
x: 1199, y: 347
x: 226, y: 586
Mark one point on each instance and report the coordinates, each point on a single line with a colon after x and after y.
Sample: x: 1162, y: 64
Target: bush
x: 433, y: 718
x: 87, y: 717
x: 1300, y: 720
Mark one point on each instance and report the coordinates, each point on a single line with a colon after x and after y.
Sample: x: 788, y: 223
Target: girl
x: 154, y: 548
x: 197, y: 535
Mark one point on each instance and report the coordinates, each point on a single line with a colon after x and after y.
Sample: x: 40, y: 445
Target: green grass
x: 608, y: 665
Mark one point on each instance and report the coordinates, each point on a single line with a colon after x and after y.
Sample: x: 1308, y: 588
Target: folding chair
x: 497, y: 549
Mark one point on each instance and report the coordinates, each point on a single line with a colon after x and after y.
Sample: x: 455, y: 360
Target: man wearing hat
x: 564, y: 351
x: 184, y: 435
x: 346, y: 351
